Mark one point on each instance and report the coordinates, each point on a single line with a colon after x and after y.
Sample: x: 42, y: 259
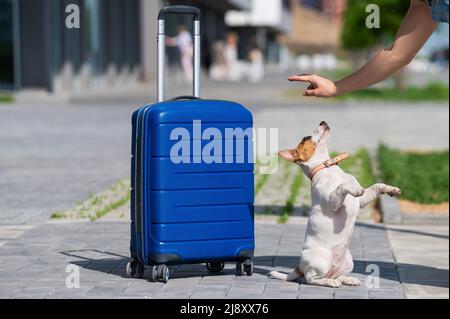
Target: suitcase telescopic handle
x: 162, y: 47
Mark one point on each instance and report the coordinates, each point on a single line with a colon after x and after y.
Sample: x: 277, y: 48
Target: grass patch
x: 434, y: 91
x: 289, y: 207
x: 261, y: 179
x: 260, y: 182
x: 423, y: 177
x: 6, y: 98
x: 112, y: 206
x: 96, y: 206
x: 359, y: 165
x: 57, y: 215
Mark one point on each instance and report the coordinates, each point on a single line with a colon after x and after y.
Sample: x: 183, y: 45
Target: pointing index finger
x: 301, y: 78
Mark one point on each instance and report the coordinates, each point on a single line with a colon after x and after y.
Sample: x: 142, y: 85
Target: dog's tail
x: 294, y: 275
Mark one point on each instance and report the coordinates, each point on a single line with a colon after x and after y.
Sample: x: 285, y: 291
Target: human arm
x: 414, y: 31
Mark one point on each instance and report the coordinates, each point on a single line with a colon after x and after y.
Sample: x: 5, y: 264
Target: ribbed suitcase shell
x: 197, y: 212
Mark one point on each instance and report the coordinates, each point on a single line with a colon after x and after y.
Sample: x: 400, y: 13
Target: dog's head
x: 311, y: 150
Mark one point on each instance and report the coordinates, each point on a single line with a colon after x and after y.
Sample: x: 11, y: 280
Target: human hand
x: 319, y: 86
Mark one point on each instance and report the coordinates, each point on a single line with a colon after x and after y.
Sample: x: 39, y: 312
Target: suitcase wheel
x: 239, y: 268
x: 134, y: 267
x: 215, y: 266
x: 153, y: 274
x: 162, y: 273
x: 244, y: 267
x: 128, y: 270
x: 248, y: 267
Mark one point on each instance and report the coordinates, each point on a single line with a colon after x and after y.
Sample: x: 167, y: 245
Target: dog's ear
x: 288, y: 155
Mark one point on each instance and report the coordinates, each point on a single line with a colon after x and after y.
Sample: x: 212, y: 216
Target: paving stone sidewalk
x: 34, y: 265
x: 421, y: 253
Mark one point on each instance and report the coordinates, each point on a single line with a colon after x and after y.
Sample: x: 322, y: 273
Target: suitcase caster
x: 239, y: 268
x: 162, y: 273
x: 215, y: 266
x: 244, y: 267
x: 129, y: 270
x: 248, y: 267
x: 153, y: 274
x: 134, y: 267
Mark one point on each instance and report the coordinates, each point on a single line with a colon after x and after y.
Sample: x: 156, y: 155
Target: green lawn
x: 434, y: 91
x: 423, y: 177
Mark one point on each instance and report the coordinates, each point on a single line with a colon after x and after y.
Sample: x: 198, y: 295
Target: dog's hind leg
x: 312, y: 278
x: 373, y: 191
x: 347, y: 268
x: 316, y: 264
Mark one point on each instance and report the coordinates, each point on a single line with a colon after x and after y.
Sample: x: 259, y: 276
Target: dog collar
x: 328, y: 163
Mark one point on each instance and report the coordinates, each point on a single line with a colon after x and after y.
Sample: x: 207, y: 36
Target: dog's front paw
x: 350, y: 281
x: 333, y: 283
x: 393, y: 191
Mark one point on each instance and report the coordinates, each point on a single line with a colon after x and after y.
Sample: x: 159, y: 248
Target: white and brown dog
x: 325, y: 258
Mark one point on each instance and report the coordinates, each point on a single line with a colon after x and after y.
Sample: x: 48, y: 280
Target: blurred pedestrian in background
x: 418, y: 25
x: 255, y: 70
x: 233, y: 65
x: 183, y: 41
x: 218, y: 70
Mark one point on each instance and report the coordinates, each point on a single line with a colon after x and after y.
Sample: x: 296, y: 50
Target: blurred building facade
x: 316, y: 26
x: 262, y: 24
x: 114, y: 46
x: 48, y: 55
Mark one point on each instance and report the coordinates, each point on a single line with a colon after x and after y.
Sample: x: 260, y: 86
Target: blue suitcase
x: 192, y: 183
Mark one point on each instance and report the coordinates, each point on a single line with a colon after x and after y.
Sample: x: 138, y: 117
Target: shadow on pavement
x: 411, y: 274
x: 86, y: 259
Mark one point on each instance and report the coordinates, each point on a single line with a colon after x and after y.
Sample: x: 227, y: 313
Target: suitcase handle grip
x: 179, y: 10
x: 185, y: 97
x: 162, y: 47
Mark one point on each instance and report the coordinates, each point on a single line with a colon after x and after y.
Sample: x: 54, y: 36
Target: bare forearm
x: 382, y: 65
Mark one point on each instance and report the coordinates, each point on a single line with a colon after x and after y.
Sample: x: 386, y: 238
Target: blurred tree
x: 357, y: 37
